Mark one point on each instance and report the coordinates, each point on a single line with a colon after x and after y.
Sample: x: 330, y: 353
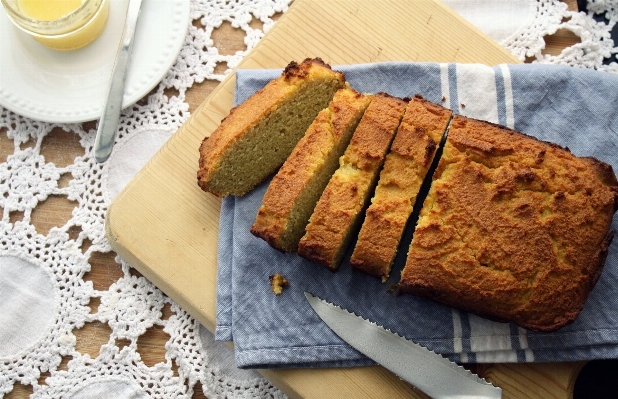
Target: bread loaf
x: 337, y: 212
x: 297, y: 186
x: 513, y: 229
x: 259, y: 134
x: 406, y: 165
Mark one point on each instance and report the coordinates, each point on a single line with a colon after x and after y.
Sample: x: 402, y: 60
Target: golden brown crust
x: 300, y: 71
x: 295, y: 189
x: 220, y: 178
x: 348, y: 191
x: 513, y: 229
x: 605, y: 172
x: 406, y: 165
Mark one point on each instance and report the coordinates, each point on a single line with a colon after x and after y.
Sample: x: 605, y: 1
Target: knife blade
x: 108, y: 125
x: 433, y: 374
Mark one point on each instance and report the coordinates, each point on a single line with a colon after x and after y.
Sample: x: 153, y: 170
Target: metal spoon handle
x: 108, y: 124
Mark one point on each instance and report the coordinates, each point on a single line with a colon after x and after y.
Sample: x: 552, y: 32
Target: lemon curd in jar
x: 47, y: 10
x: 60, y: 24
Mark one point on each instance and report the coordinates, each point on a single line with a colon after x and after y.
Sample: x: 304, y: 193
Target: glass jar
x: 78, y: 27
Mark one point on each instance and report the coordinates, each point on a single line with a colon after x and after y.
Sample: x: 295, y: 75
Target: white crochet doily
x: 537, y: 19
x: 43, y: 294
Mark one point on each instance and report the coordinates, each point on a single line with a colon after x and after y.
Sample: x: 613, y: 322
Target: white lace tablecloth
x: 43, y: 295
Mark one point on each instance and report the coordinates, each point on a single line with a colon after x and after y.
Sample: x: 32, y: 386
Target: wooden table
x: 553, y: 380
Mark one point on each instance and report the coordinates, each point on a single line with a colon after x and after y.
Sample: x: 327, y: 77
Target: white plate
x: 59, y: 86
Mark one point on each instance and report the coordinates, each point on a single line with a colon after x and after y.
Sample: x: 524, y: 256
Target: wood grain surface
x: 553, y: 380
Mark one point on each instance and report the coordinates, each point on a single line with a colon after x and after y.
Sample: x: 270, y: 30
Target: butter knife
x: 426, y: 370
x: 108, y: 124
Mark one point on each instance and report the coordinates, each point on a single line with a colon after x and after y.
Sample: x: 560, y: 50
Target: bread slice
x: 342, y: 202
x: 259, y: 134
x: 405, y: 168
x: 295, y: 189
x: 513, y: 229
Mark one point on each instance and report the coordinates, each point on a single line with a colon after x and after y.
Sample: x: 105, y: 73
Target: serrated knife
x: 426, y: 370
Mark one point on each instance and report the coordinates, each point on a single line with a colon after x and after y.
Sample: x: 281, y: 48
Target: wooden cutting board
x: 166, y: 227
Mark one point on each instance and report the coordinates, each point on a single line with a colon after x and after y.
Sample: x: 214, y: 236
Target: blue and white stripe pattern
x: 574, y: 108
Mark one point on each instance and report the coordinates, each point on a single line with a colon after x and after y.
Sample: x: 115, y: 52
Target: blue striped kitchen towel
x: 574, y: 108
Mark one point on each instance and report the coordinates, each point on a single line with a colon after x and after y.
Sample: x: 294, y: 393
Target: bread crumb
x: 278, y: 283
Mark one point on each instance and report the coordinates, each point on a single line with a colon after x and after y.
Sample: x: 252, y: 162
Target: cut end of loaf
x: 258, y: 135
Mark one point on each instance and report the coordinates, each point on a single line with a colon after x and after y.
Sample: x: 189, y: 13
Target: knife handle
x: 108, y: 124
